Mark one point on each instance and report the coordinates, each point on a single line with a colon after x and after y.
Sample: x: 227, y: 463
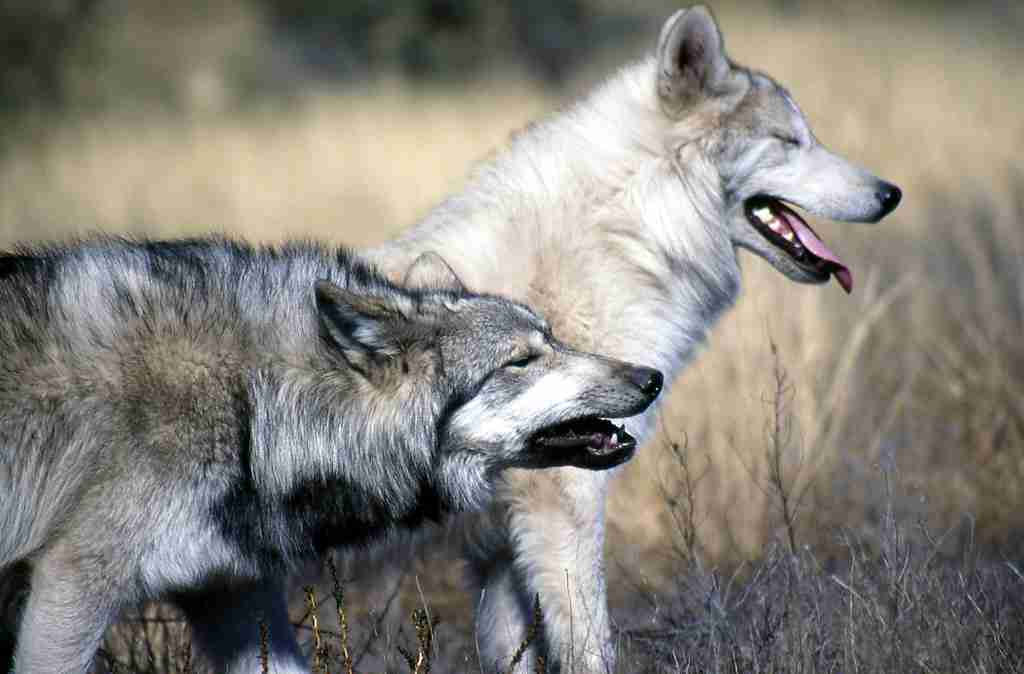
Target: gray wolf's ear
x: 691, y: 59
x: 358, y: 323
x: 430, y: 270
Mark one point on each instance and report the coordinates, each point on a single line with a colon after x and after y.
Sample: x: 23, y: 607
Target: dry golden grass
x: 920, y: 369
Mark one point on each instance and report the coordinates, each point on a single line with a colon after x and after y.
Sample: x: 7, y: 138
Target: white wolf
x: 621, y: 219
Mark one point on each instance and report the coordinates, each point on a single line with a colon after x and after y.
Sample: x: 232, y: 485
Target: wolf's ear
x: 361, y: 325
x: 691, y: 59
x: 430, y: 270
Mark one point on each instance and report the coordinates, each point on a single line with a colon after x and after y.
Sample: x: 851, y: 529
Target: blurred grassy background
x: 348, y: 121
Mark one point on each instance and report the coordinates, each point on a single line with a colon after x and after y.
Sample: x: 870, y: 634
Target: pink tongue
x: 812, y: 243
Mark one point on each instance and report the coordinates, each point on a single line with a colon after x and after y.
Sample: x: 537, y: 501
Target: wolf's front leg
x: 69, y: 607
x: 556, y: 531
x: 503, y: 612
x: 225, y: 625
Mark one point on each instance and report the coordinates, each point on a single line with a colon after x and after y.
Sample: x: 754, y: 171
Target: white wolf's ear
x: 361, y: 325
x: 691, y: 59
x: 432, y: 271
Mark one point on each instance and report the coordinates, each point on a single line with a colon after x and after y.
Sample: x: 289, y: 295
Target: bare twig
x: 339, y: 601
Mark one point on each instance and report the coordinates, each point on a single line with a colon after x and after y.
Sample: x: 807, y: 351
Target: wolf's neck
x: 583, y: 218
x: 340, y: 468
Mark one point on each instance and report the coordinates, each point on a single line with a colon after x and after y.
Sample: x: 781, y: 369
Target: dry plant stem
x: 781, y: 438
x: 782, y: 486
x: 264, y: 647
x: 377, y: 629
x: 318, y: 645
x: 680, y: 495
x: 424, y: 625
x: 531, y: 635
x: 339, y: 601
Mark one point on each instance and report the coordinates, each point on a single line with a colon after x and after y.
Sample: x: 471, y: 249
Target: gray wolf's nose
x: 889, y: 197
x: 648, y: 380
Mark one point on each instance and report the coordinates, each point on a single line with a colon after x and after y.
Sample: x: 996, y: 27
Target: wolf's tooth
x: 765, y: 215
x: 788, y: 235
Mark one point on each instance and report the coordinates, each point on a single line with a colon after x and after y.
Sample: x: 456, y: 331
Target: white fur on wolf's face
x: 766, y: 149
x: 526, y: 381
x: 745, y: 128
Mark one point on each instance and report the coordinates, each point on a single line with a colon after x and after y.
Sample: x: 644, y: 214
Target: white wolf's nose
x: 888, y: 196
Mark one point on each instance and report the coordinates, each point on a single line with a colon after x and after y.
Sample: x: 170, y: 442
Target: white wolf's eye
x: 788, y: 140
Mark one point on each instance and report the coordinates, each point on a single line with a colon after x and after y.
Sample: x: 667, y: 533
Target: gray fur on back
x: 112, y: 344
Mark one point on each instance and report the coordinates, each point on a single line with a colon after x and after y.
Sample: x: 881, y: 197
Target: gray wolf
x: 621, y: 219
x: 192, y: 419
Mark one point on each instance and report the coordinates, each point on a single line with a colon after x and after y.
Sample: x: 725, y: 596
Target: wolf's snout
x: 888, y: 196
x: 648, y: 380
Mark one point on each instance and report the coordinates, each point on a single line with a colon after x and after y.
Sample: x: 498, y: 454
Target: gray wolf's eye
x: 522, y: 362
x: 788, y: 140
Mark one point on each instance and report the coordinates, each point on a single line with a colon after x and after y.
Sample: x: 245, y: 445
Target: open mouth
x: 786, y: 230
x: 590, y: 442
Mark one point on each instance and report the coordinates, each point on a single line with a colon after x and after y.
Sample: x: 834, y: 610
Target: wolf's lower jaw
x: 588, y: 442
x: 782, y: 227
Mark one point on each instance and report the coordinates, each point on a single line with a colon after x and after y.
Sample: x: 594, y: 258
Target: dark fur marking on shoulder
x: 13, y: 264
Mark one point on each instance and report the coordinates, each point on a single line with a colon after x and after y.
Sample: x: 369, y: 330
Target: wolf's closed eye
x: 522, y: 361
